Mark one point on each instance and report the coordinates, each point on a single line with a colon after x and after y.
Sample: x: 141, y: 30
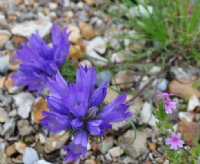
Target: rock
x: 9, y: 125
x: 147, y: 115
x: 24, y: 127
x: 116, y: 151
x: 10, y: 150
x: 183, y: 89
x: 152, y: 146
x: 119, y: 125
x: 2, y: 82
x: 13, y: 63
x: 3, y: 115
x: 128, y: 160
x: 144, y: 81
x: 86, y: 63
x: 186, y: 116
x: 3, y: 145
x: 193, y: 103
x: 123, y: 79
x: 90, y: 2
x: 180, y: 74
x: 24, y: 102
x: 104, y: 76
x: 75, y: 35
x: 42, y: 138
x: 20, y: 147
x: 76, y: 51
x: 26, y: 29
x: 87, y: 31
x: 136, y: 106
x: 111, y: 95
x: 55, y: 142
x: 4, y: 37
x: 53, y: 6
x: 106, y: 144
x: 4, y: 59
x: 97, y: 44
x: 42, y: 162
x: 39, y: 106
x: 96, y: 58
x: 3, y: 158
x: 160, y: 84
x: 134, y: 146
x: 91, y: 160
x: 118, y: 57
x: 9, y: 84
x: 30, y: 156
x: 190, y: 131
x: 154, y: 70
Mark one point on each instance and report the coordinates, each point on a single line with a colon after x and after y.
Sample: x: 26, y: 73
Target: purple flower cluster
x: 78, y: 107
x: 39, y: 62
x: 169, y: 105
x: 175, y: 141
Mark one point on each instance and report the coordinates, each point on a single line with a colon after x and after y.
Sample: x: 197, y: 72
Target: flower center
x: 92, y: 113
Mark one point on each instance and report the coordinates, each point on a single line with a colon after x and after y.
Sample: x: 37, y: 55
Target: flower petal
x: 99, y: 94
x: 94, y: 127
x: 55, y: 122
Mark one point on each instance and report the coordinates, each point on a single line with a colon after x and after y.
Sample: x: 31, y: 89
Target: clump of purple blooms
x: 39, y: 62
x: 78, y: 107
x: 175, y: 141
x: 169, y: 105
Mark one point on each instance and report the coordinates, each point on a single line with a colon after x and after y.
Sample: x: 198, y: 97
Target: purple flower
x: 78, y: 107
x: 169, y: 106
x: 175, y: 141
x: 39, y: 62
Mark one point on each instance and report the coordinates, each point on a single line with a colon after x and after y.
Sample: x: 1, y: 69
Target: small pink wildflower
x: 175, y: 141
x: 169, y: 105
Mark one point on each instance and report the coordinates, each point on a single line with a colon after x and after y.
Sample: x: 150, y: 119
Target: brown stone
x: 87, y: 31
x: 183, y: 89
x: 152, y: 146
x: 10, y: 150
x: 39, y: 106
x: 190, y: 130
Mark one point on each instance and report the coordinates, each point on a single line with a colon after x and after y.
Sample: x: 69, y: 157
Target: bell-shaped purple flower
x: 38, y: 61
x: 78, y: 107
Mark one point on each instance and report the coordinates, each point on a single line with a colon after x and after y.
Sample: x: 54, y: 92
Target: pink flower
x: 175, y: 141
x: 169, y: 105
x: 165, y: 95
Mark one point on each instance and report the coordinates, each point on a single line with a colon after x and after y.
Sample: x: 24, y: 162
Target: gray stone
x: 181, y: 74
x: 42, y: 162
x: 96, y: 58
x: 104, y: 76
x: 4, y: 37
x: 28, y: 28
x: 30, y: 156
x: 4, y: 63
x: 135, y: 146
x: 106, y: 144
x: 193, y: 103
x: 3, y: 115
x: 147, y: 115
x: 24, y: 127
x: 9, y: 125
x: 116, y: 151
x: 98, y: 44
x: 24, y: 102
x: 161, y: 84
